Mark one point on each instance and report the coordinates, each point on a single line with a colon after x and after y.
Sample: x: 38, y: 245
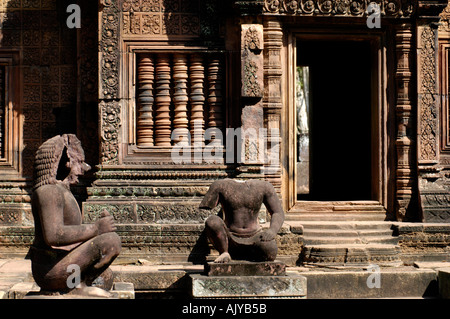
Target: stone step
x: 370, y: 282
x: 350, y: 253
x: 337, y: 216
x: 337, y: 205
x: 314, y: 232
x: 343, y: 225
x: 351, y: 240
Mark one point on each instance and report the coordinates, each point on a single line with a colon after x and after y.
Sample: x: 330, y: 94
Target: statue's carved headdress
x: 48, y: 157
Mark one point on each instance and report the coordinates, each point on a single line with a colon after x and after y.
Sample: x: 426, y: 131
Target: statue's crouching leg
x: 109, y: 246
x: 267, y: 250
x: 86, y: 264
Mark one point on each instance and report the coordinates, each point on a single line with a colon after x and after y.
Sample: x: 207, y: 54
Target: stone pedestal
x: 248, y: 280
x: 444, y: 283
x: 245, y: 268
x: 121, y: 290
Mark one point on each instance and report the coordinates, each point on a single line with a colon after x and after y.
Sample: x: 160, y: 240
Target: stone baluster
x: 215, y: 118
x: 197, y: 97
x: 180, y: 96
x: 145, y: 100
x: 162, y: 101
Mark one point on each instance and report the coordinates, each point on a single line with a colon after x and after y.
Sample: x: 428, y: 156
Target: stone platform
x: 248, y: 280
x: 175, y: 281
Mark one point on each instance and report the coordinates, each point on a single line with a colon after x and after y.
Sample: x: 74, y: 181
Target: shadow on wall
x: 50, y: 99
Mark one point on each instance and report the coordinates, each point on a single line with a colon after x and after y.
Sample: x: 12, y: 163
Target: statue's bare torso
x: 241, y: 203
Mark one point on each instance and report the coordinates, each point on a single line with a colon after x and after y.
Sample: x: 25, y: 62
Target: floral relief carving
x: 151, y: 24
x: 109, y: 47
x: 168, y: 17
x: 252, y: 40
x: 389, y: 8
x: 110, y: 116
x: 427, y: 104
x: 252, y: 87
x: 252, y: 60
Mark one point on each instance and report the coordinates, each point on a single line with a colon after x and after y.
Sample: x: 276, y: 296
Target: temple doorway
x: 334, y: 108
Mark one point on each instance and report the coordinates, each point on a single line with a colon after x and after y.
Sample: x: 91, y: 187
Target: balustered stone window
x: 178, y: 95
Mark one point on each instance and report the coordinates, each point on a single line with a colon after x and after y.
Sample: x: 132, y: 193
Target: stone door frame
x: 380, y: 118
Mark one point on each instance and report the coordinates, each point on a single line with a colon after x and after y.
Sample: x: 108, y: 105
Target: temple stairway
x: 346, y: 234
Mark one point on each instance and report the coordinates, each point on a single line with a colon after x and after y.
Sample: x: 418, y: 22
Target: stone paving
x: 16, y: 279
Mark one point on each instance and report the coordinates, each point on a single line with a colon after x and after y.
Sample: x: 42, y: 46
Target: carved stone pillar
x: 145, y: 100
x: 162, y: 101
x: 404, y: 141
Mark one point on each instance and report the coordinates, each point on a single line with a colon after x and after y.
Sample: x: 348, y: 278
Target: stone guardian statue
x: 67, y: 254
x: 237, y: 235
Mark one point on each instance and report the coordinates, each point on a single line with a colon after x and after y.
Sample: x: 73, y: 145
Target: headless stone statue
x: 238, y: 234
x: 63, y: 246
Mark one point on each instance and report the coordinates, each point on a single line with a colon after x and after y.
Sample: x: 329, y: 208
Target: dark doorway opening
x: 337, y: 85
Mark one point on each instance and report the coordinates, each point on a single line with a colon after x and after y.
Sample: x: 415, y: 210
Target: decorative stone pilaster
x: 428, y: 132
x: 109, y: 49
x: 252, y: 75
x: 109, y: 60
x: 273, y: 98
x: 252, y: 63
x: 404, y: 141
x: 433, y: 191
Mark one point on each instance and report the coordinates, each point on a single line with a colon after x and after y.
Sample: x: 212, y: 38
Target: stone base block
x: 291, y: 285
x: 243, y: 268
x: 389, y: 282
x: 123, y: 290
x: 444, y: 283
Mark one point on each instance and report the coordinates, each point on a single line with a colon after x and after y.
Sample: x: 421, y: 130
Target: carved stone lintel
x: 430, y: 10
x: 345, y: 8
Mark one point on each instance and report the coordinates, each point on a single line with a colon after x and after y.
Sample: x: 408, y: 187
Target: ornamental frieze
x: 352, y: 8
